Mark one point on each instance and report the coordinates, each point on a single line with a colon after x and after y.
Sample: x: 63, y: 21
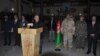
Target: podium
x: 30, y: 39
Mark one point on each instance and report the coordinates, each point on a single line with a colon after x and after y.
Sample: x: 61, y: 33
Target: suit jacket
x: 52, y: 24
x: 15, y: 26
x: 20, y: 22
x: 7, y: 25
x: 37, y: 25
x: 93, y: 30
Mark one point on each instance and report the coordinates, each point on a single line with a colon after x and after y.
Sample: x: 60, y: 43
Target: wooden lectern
x: 30, y: 39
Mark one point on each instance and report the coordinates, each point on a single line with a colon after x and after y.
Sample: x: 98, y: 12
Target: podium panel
x: 30, y: 39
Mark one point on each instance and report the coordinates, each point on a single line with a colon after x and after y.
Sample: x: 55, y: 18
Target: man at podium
x: 37, y: 24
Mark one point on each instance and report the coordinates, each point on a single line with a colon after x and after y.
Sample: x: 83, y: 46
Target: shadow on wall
x: 52, y: 54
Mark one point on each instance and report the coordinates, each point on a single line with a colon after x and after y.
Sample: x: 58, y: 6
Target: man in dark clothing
x: 52, y: 29
x: 22, y: 22
x: 19, y: 24
x: 93, y: 30
x: 38, y: 24
x: 15, y: 29
x: 7, y: 30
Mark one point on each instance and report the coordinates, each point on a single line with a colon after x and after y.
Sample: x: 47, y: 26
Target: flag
x: 58, y: 39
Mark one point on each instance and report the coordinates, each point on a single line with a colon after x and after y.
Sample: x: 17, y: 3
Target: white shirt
x: 16, y: 20
x: 93, y: 23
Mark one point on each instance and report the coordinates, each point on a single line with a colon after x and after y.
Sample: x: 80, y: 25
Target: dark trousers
x: 17, y: 38
x: 92, y: 42
x: 7, y: 38
x: 41, y: 42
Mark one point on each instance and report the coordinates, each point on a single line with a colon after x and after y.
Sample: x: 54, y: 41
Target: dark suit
x: 22, y: 23
x: 52, y: 24
x: 16, y: 35
x: 39, y: 25
x: 92, y: 40
x: 52, y: 27
x: 7, y: 34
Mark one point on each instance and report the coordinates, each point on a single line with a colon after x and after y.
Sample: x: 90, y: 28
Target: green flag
x: 58, y: 40
x: 58, y: 36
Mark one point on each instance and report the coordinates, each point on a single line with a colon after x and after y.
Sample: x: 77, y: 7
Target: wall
x: 7, y: 5
x: 95, y: 10
x: 27, y: 9
x: 79, y: 9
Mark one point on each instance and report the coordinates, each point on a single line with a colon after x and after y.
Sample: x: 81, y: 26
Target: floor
x: 47, y: 47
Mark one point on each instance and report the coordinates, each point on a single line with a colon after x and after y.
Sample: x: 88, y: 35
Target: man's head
x: 23, y: 17
x: 15, y: 17
x: 82, y: 18
x: 36, y: 18
x: 6, y: 18
x: 94, y: 18
x: 68, y: 16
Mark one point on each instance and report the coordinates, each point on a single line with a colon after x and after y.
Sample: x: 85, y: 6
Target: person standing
x: 68, y: 30
x: 15, y: 30
x: 93, y: 30
x: 52, y: 31
x: 22, y: 22
x: 38, y: 24
x: 7, y: 30
x: 80, y: 33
